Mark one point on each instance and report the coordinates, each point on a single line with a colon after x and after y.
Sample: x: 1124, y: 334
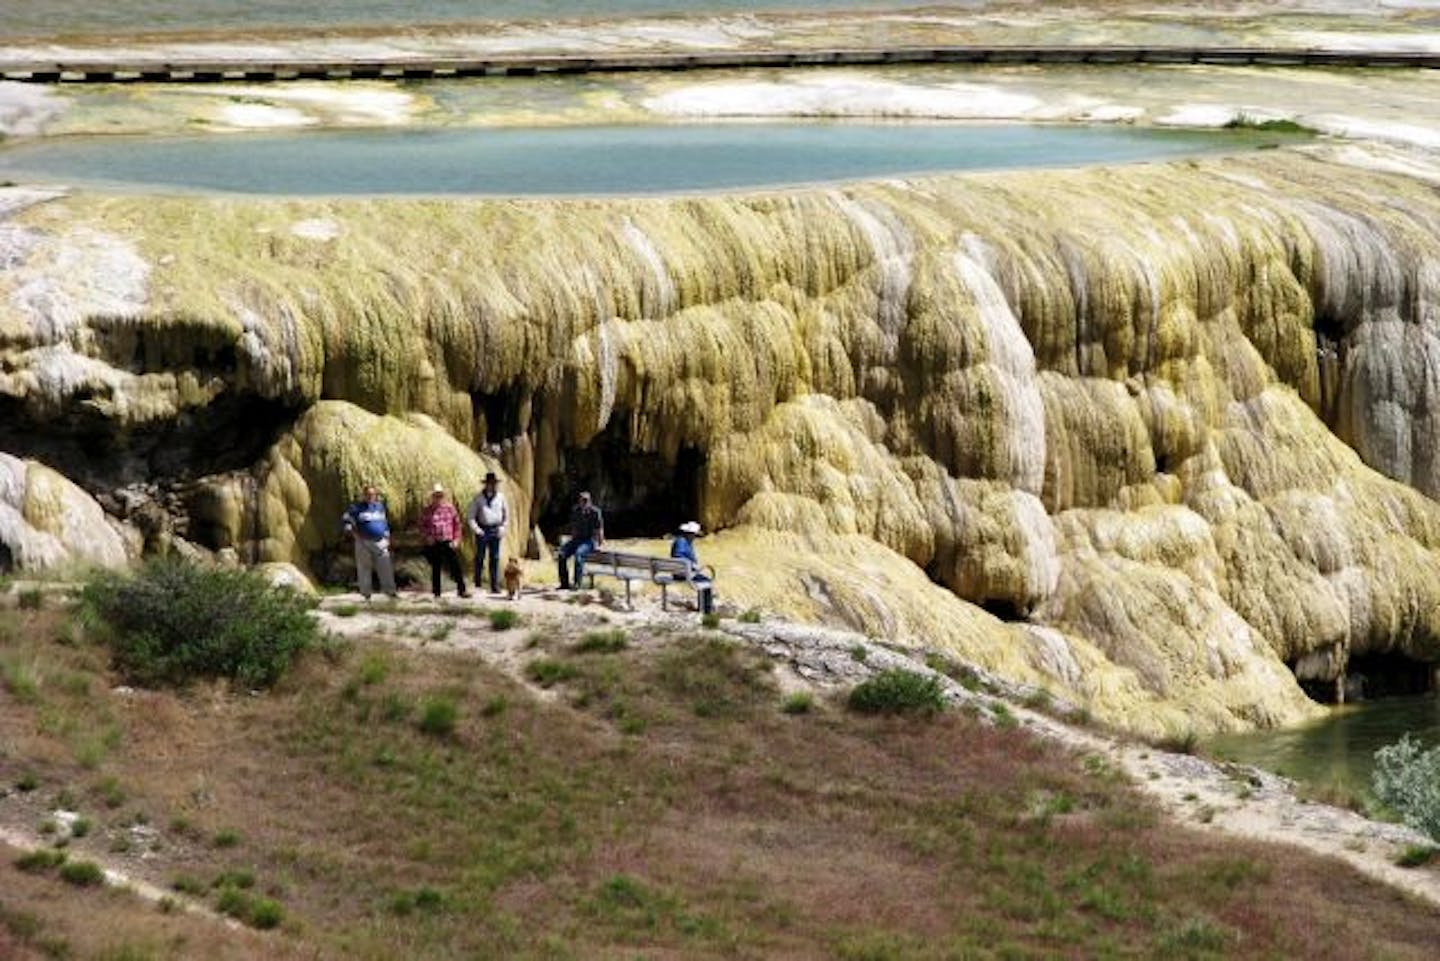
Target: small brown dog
x: 513, y: 577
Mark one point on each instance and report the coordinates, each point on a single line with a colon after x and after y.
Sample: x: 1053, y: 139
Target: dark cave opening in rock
x: 1004, y: 608
x: 641, y: 494
x: 1371, y: 677
x: 1321, y: 691
x: 503, y: 414
x: 230, y: 433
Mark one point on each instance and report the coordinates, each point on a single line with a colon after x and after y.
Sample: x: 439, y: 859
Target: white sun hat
x: 690, y: 527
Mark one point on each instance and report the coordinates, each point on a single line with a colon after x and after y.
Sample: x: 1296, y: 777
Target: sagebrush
x: 172, y: 621
x: 898, y: 691
x: 1407, y: 779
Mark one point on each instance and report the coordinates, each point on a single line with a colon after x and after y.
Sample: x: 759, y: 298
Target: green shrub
x: 710, y: 620
x: 898, y: 691
x: 1417, y: 856
x: 188, y: 884
x: 801, y: 702
x: 225, y: 839
x: 80, y: 827
x: 438, y: 716
x: 20, y: 678
x: 548, y: 672
x: 1185, y: 742
x: 255, y: 911
x: 234, y: 902
x: 83, y: 874
x: 173, y: 620
x: 41, y: 859
x: 1196, y: 934
x: 1244, y: 121
x: 1038, y: 700
x: 31, y: 600
x: 265, y: 914
x: 234, y: 878
x: 503, y: 619
x: 421, y: 899
x: 112, y: 795
x: 428, y: 899
x: 751, y: 616
x: 603, y: 642
x: 27, y: 782
x: 374, y: 669
x: 1407, y: 779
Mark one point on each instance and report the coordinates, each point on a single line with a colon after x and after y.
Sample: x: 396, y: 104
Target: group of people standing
x: 487, y: 516
x: 440, y: 528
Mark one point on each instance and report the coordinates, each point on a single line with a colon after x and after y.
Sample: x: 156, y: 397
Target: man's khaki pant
x: 371, y: 557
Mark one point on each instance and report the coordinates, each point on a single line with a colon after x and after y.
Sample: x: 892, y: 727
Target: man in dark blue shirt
x: 587, y: 532
x: 367, y: 524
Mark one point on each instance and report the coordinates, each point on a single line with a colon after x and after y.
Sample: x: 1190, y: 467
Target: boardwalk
x: 177, y: 71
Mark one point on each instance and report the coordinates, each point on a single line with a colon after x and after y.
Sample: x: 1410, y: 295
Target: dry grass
x: 42, y: 918
x: 662, y: 806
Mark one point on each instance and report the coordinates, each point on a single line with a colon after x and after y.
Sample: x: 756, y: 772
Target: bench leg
x: 628, y: 604
x: 664, y: 597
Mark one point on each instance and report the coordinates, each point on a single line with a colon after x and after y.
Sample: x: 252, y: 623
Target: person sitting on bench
x: 587, y: 532
x: 683, y: 548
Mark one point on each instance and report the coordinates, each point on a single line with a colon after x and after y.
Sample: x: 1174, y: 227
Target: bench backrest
x: 644, y: 564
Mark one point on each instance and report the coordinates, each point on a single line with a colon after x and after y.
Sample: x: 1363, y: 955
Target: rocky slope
x: 1154, y: 437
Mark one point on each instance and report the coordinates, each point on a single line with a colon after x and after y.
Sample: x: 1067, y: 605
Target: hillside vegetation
x: 651, y: 793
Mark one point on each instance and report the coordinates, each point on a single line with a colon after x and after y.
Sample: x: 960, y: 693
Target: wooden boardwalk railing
x: 196, y: 71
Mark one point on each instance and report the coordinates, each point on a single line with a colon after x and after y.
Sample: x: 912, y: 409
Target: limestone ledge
x: 1172, y: 422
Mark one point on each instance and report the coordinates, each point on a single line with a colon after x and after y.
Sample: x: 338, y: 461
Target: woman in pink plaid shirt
x: 440, y: 526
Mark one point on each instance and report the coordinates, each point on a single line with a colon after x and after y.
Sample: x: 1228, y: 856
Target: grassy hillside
x: 608, y: 796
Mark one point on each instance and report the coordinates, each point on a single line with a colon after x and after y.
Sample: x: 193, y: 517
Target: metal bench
x: 645, y: 567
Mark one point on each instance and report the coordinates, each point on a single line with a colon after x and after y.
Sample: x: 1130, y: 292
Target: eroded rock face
x: 1177, y: 418
x: 47, y: 523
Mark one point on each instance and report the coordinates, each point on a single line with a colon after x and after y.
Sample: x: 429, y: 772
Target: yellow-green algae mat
x: 1176, y: 416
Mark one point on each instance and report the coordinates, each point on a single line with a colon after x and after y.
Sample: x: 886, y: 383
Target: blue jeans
x: 579, y: 550
x: 487, y: 543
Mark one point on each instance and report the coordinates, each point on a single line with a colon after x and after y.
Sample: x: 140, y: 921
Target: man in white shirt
x: 487, y: 515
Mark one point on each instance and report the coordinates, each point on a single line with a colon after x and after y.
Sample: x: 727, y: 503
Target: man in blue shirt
x: 683, y: 548
x: 587, y: 532
x: 367, y: 525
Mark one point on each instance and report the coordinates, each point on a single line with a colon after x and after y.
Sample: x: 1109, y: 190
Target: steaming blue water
x: 51, y: 17
x: 584, y: 160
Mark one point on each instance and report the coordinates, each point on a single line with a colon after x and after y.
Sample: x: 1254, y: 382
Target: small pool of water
x: 1340, y: 749
x: 588, y: 160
